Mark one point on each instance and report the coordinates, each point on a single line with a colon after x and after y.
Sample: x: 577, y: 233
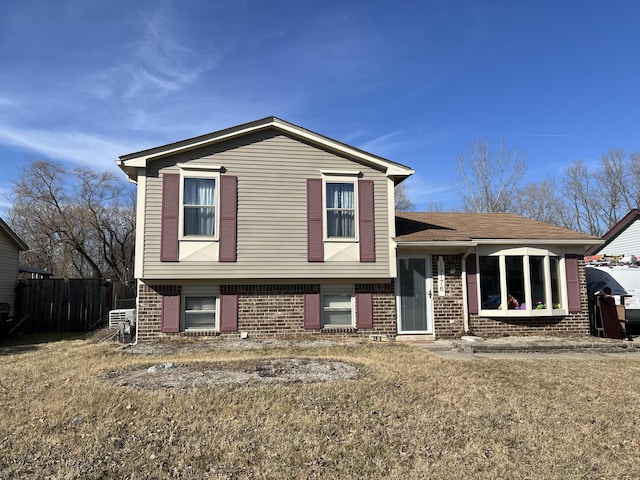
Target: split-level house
x: 270, y: 229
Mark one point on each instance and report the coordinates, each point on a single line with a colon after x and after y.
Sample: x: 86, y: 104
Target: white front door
x: 414, y: 295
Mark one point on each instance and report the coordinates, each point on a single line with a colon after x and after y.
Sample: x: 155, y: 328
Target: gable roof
x: 472, y: 229
x: 13, y: 236
x: 131, y: 162
x: 616, y: 230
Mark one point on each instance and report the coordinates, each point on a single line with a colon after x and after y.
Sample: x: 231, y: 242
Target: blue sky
x: 416, y: 82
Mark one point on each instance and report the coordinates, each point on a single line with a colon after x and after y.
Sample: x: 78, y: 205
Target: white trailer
x: 624, y: 282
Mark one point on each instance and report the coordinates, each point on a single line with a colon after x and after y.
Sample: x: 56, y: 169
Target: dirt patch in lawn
x: 260, y: 371
x: 182, y: 345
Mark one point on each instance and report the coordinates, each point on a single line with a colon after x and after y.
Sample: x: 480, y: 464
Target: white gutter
x: 476, y: 243
x: 135, y: 342
x: 441, y: 243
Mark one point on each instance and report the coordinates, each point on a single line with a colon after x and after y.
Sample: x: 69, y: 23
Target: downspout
x: 465, y: 305
x: 135, y: 342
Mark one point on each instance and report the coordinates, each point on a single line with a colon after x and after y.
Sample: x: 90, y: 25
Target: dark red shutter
x: 573, y: 283
x: 364, y: 310
x: 312, y: 310
x: 170, y: 313
x: 472, y: 284
x: 228, y: 312
x: 367, y: 221
x: 228, y: 218
x: 170, y: 214
x: 315, y: 242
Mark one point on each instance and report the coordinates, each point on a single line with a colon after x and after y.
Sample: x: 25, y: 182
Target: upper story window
x: 199, y: 203
x: 521, y: 282
x: 340, y: 209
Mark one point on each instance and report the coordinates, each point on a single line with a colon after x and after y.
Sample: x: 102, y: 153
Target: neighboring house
x: 10, y: 247
x: 25, y: 272
x: 623, y: 239
x: 271, y: 229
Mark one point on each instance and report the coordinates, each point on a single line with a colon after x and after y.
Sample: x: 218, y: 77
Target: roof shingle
x: 461, y: 227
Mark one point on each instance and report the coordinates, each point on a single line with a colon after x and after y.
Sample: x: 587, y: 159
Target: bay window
x: 521, y: 282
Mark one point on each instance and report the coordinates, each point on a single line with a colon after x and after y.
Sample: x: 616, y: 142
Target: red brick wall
x: 448, y: 311
x: 270, y: 311
x: 150, y: 310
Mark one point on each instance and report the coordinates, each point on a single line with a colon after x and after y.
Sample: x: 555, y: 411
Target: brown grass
x: 410, y: 415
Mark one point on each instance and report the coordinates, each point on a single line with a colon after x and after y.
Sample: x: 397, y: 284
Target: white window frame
x: 340, y: 177
x: 529, y: 311
x: 212, y: 173
x: 203, y: 292
x: 342, y: 291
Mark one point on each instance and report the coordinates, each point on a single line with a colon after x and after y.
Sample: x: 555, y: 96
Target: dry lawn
x: 407, y: 414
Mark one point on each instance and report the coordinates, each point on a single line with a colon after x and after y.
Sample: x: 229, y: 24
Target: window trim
x: 212, y: 173
x: 525, y: 253
x: 202, y: 292
x: 353, y: 179
x: 337, y: 290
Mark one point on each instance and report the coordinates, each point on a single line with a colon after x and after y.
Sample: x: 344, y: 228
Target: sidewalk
x: 470, y: 347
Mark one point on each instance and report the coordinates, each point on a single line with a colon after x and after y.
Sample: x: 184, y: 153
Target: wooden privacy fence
x: 67, y: 305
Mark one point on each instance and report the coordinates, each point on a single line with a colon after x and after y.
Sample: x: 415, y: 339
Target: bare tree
x: 541, y: 201
x: 78, y: 223
x: 580, y: 191
x: 618, y: 190
x: 402, y: 200
x: 487, y: 180
x: 600, y: 196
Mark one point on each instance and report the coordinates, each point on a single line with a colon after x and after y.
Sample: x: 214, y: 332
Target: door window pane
x: 413, y: 294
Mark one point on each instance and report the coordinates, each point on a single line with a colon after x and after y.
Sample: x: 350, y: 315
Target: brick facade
x: 448, y: 312
x: 269, y: 311
x: 277, y: 311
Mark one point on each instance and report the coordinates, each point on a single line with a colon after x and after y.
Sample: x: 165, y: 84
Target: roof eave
x: 140, y: 159
x: 616, y: 230
x: 437, y: 243
x: 537, y: 241
x: 495, y: 241
x: 23, y: 247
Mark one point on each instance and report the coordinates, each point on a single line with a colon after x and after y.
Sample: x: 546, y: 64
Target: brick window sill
x: 200, y: 333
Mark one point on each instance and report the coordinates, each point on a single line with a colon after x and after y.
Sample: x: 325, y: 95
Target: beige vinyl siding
x: 272, y: 170
x: 8, y: 269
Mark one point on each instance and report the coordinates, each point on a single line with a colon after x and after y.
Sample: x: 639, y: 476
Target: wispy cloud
x: 558, y: 135
x: 424, y: 193
x: 384, y: 143
x: 161, y: 63
x: 82, y: 148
